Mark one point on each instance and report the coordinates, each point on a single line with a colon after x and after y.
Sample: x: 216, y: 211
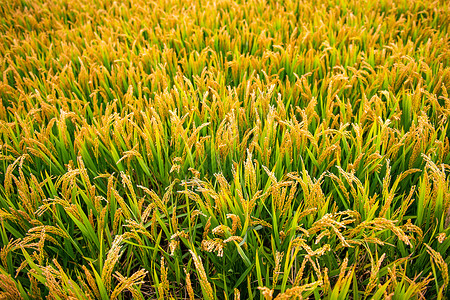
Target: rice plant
x: 220, y: 149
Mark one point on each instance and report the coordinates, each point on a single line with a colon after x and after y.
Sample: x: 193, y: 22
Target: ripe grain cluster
x: 250, y: 149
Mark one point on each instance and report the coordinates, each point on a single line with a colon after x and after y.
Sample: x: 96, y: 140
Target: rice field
x: 249, y: 149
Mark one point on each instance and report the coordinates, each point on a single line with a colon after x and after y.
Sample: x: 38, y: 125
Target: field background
x: 224, y: 149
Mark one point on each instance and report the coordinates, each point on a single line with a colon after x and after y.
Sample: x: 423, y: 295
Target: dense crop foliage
x: 224, y: 149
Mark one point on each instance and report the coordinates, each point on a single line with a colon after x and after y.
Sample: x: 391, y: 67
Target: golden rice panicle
x: 164, y: 282
x: 35, y: 290
x: 409, y: 227
x: 442, y: 237
x: 276, y: 270
x: 195, y: 214
x: 173, y: 246
x: 206, y: 286
x: 110, y: 187
x: 153, y: 224
x: 102, y: 219
x: 8, y: 181
x: 236, y: 223
x: 328, y: 221
x: 156, y: 199
x: 207, y: 228
x: 9, y: 288
x: 189, y: 288
x: 414, y: 155
x: 112, y: 258
x: 118, y: 215
x: 237, y: 294
x: 123, y: 205
x: 221, y: 230
x: 250, y: 173
x: 299, y: 275
x: 126, y: 181
x: 129, y: 283
x: 147, y: 212
x: 223, y: 183
x: 174, y: 219
x: 234, y: 238
x: 266, y: 292
x: 437, y: 259
x: 407, y: 202
x: 83, y: 171
x: 292, y: 194
x: 213, y: 245
x: 6, y: 249
x: 53, y: 282
x: 256, y: 221
x: 326, y: 281
x: 176, y: 167
x: 297, y: 291
x: 375, y: 269
x: 91, y: 282
x: 343, y: 269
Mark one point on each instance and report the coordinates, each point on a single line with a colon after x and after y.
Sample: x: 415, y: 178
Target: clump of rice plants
x: 224, y: 149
